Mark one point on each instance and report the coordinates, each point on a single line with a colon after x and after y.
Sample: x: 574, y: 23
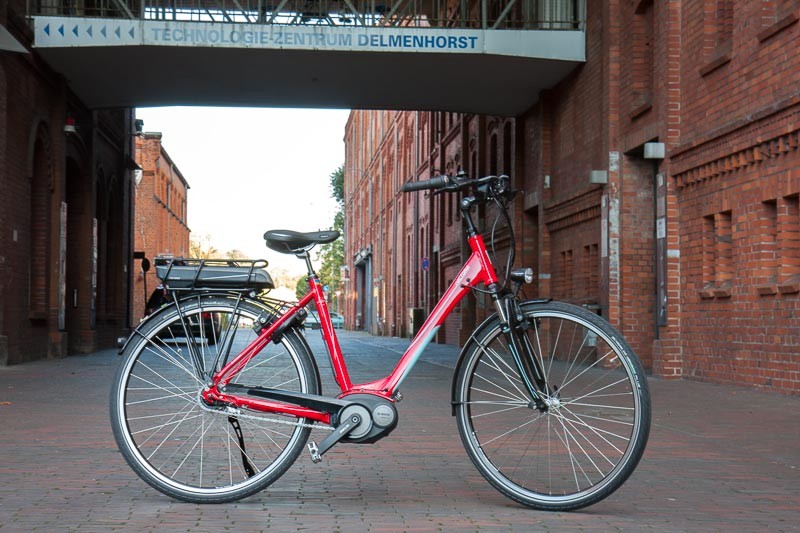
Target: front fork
x: 514, y: 325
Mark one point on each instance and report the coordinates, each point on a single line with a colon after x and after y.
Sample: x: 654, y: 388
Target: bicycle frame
x: 205, y: 421
x: 477, y: 269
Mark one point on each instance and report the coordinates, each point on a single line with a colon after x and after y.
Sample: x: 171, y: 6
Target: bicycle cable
x: 503, y: 210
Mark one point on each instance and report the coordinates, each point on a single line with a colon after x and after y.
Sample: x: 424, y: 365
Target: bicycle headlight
x: 522, y: 275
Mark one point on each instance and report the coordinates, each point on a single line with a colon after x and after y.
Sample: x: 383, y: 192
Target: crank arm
x: 338, y: 434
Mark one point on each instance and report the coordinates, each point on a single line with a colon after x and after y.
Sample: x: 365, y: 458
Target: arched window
x: 41, y: 181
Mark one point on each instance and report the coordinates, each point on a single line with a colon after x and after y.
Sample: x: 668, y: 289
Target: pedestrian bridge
x: 475, y: 56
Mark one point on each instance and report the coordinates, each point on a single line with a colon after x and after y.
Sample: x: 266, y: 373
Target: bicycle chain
x: 230, y: 411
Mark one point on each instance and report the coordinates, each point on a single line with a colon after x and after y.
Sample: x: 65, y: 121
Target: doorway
x: 78, y: 297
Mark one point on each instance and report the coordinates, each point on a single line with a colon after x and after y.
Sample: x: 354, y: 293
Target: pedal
x: 314, y: 449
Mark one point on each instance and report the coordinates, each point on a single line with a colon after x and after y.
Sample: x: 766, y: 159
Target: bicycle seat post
x: 307, y: 259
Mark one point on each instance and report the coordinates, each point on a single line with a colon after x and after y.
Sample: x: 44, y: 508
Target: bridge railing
x: 485, y: 14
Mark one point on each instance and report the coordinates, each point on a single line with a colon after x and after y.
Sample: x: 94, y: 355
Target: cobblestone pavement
x: 719, y: 458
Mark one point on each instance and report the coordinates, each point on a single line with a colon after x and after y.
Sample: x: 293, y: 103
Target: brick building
x: 159, y: 225
x: 65, y: 173
x: 661, y: 183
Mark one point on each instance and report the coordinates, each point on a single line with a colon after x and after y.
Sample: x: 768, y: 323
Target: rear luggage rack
x: 181, y: 273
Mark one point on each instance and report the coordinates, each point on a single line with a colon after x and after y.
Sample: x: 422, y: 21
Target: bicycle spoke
x: 500, y: 410
x: 497, y: 394
x: 512, y: 430
x: 593, y: 393
x: 176, y: 361
x: 598, y: 431
x: 585, y: 438
x: 170, y: 422
x: 510, y: 376
x: 186, y: 448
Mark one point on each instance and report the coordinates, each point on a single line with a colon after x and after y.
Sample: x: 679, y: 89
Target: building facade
x: 660, y: 185
x: 65, y: 211
x: 160, y: 226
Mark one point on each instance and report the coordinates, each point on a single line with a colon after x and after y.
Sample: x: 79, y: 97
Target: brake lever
x: 448, y: 188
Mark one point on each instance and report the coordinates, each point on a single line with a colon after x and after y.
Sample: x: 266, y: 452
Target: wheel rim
x: 583, y: 443
x: 193, y: 448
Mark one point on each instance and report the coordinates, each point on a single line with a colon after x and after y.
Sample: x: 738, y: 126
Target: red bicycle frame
x: 478, y: 269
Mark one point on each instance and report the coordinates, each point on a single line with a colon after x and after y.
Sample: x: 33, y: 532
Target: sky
x: 253, y: 169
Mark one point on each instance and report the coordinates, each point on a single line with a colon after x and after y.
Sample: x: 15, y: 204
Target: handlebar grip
x: 438, y: 182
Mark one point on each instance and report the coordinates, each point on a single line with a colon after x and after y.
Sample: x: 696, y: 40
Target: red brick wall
x: 37, y: 319
x: 719, y: 89
x: 738, y: 164
x: 160, y: 226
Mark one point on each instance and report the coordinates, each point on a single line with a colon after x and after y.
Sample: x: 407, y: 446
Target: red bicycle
x: 218, y: 390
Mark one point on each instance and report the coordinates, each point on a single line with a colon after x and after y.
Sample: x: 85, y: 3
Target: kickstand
x: 248, y: 468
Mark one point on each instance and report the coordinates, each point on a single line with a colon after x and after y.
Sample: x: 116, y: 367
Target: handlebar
x: 439, y: 182
x: 484, y: 188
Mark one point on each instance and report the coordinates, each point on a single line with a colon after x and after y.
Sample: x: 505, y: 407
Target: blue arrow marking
x: 89, y: 31
x: 131, y: 33
x: 75, y: 31
x: 61, y: 30
x: 47, y: 29
x: 103, y: 31
x: 117, y: 31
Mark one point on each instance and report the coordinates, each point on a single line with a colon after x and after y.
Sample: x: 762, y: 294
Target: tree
x: 331, y: 256
x: 200, y: 247
x: 301, y: 288
x: 235, y: 254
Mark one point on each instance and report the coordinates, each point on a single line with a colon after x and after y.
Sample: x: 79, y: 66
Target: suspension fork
x: 513, y: 325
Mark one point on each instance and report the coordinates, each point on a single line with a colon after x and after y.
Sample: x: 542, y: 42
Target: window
x: 788, y: 233
x: 724, y: 21
x: 566, y: 274
x: 775, y: 11
x: 642, y: 58
x: 768, y: 245
x: 717, y: 251
x: 39, y: 221
x: 717, y: 34
x: 724, y: 248
x: 591, y: 270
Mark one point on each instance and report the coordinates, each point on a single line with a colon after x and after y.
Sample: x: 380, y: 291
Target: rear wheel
x: 594, y: 430
x: 171, y: 438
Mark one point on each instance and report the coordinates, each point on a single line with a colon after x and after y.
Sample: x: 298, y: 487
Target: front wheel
x: 594, y: 429
x: 176, y: 442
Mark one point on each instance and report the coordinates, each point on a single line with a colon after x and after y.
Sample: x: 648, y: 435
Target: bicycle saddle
x: 292, y: 242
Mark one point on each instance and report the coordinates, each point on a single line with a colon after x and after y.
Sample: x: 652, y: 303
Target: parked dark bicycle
x: 551, y: 403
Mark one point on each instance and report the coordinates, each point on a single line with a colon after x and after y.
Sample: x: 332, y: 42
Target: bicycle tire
x: 179, y: 445
x: 595, y: 429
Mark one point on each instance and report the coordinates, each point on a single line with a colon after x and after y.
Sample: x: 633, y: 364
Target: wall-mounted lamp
x: 598, y: 176
x: 547, y: 181
x: 654, y: 151
x: 69, y: 125
x: 138, y: 124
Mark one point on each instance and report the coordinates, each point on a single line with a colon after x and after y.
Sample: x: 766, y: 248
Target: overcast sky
x: 251, y: 170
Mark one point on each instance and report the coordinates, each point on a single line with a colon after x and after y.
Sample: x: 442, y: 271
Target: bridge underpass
x: 483, y: 56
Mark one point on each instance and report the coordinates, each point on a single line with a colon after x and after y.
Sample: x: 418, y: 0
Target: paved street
x: 720, y: 458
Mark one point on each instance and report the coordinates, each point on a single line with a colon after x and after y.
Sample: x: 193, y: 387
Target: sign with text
x: 83, y: 32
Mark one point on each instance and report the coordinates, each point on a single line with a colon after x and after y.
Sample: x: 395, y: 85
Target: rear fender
x: 165, y: 303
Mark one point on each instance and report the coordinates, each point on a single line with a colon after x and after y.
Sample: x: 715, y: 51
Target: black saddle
x: 294, y: 242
